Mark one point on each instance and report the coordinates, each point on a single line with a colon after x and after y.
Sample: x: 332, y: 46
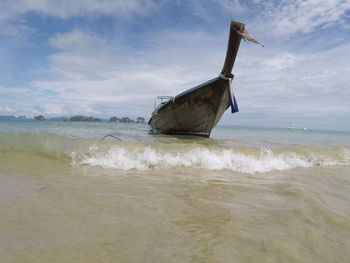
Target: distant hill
x: 77, y: 118
x: 39, y: 118
x: 84, y: 118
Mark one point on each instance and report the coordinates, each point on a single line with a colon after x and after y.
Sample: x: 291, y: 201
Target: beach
x: 244, y: 195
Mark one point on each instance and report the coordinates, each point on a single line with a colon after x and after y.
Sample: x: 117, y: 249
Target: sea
x: 68, y: 193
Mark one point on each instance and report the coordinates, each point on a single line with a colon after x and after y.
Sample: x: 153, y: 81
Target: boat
x: 196, y: 111
x: 291, y: 126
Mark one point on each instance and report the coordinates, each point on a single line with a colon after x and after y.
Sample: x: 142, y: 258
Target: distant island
x: 83, y: 118
x: 112, y: 119
x: 39, y: 118
x: 75, y: 118
x: 127, y: 119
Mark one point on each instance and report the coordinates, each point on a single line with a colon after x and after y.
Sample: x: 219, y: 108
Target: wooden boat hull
x: 193, y: 112
x: 197, y: 110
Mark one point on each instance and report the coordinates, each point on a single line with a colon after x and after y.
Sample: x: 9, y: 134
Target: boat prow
x: 196, y: 111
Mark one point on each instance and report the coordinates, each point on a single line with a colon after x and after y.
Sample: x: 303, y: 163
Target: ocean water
x: 243, y: 195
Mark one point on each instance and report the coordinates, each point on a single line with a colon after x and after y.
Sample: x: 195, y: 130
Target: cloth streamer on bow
x: 233, y: 102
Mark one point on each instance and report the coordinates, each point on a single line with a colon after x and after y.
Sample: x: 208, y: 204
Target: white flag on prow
x: 247, y: 36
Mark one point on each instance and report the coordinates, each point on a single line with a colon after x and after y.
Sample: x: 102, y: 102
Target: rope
x: 109, y: 135
x: 233, y: 102
x: 222, y: 76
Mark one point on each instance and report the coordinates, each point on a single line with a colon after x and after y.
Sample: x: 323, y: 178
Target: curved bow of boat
x: 234, y: 40
x: 197, y: 110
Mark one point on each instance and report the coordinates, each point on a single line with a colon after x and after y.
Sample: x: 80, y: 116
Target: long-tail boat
x: 196, y: 111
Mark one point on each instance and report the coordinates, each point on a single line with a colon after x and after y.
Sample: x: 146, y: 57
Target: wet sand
x: 57, y: 213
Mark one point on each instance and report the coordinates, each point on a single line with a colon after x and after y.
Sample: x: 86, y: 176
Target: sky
x: 113, y: 57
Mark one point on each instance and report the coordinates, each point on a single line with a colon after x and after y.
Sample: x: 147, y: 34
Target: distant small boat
x: 196, y: 111
x: 291, y: 126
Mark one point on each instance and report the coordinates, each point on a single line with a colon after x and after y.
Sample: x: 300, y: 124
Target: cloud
x: 233, y: 6
x: 11, y: 91
x: 306, y: 85
x: 66, y: 8
x: 88, y: 72
x: 290, y: 17
x: 5, y: 109
x: 208, y: 9
x: 77, y: 40
x: 281, y: 61
x: 8, y: 29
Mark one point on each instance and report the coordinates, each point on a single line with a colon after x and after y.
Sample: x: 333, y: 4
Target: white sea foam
x: 118, y: 157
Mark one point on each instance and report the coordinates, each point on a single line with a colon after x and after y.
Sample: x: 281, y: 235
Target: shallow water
x: 246, y: 195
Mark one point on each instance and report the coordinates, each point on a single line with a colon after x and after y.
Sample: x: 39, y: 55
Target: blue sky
x: 106, y: 58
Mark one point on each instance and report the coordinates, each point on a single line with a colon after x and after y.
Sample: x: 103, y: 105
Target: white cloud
x: 8, y: 29
x: 233, y: 6
x: 80, y: 56
x: 5, y: 109
x: 306, y: 85
x: 209, y: 10
x: 281, y: 61
x: 11, y: 91
x: 290, y: 17
x: 88, y: 72
x: 77, y: 41
x: 67, y: 8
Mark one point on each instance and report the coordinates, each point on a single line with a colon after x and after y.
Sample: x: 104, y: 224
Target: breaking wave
x: 238, y: 160
x: 206, y: 155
